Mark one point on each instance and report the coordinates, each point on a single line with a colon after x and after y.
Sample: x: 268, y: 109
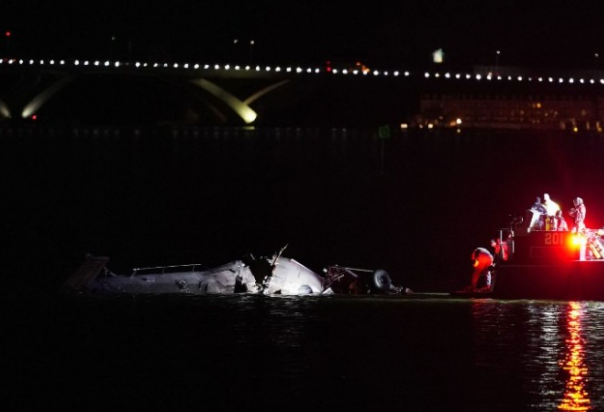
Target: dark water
x: 415, y: 205
x: 327, y: 353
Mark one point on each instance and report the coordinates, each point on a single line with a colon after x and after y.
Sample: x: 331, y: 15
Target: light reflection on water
x: 549, y: 351
x: 576, y: 397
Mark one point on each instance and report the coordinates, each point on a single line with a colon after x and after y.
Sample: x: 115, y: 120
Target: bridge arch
x: 4, y: 110
x: 40, y: 99
x: 247, y: 114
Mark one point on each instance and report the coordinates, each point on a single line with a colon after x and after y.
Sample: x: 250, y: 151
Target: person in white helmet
x: 578, y: 212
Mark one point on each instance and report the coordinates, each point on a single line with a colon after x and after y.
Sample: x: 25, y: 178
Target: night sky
x: 380, y: 34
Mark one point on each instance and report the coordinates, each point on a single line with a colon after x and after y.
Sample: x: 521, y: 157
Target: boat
x: 275, y: 275
x: 549, y: 264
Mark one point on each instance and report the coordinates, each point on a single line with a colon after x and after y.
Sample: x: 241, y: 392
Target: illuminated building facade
x: 513, y: 102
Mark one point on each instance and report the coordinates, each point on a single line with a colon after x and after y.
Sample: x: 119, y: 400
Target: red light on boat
x: 577, y: 240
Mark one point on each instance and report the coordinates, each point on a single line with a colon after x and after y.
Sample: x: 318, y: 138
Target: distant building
x: 515, y: 99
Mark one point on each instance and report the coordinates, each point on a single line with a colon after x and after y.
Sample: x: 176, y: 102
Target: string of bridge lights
x: 301, y: 70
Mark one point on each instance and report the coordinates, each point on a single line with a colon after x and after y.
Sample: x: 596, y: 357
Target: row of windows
x: 535, y: 109
x: 524, y: 98
x: 579, y: 113
x: 506, y: 106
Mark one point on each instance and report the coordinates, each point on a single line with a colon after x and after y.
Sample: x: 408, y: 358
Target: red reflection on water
x: 576, y: 397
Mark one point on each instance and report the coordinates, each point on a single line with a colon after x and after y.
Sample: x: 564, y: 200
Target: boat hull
x: 570, y: 280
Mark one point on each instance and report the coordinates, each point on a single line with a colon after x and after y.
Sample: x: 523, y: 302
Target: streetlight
x: 497, y: 53
x: 111, y: 51
x: 251, y: 51
x: 7, y: 35
x: 235, y: 48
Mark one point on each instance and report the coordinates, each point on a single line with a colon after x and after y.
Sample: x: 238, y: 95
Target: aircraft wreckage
x: 265, y: 275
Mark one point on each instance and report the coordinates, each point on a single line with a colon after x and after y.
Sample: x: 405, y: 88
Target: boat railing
x: 164, y: 269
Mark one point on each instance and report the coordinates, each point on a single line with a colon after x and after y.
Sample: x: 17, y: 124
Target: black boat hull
x: 571, y: 280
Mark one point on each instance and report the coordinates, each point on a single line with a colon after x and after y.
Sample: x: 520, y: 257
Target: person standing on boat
x: 539, y: 212
x: 483, y: 261
x: 551, y: 209
x: 578, y: 213
x: 561, y: 224
x: 500, y: 250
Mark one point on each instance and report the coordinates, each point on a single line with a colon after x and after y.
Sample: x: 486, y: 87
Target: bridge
x: 103, y: 91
